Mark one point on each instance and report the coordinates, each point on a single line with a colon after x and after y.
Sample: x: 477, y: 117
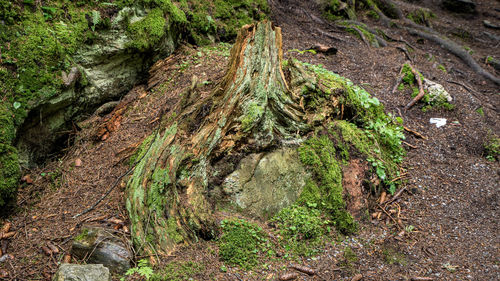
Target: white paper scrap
x: 438, y: 121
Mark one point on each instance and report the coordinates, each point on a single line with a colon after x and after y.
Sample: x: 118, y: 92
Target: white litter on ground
x: 438, y: 121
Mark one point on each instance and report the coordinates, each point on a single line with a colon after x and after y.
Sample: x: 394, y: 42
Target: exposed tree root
x: 456, y: 50
x: 421, y: 91
x: 391, y: 9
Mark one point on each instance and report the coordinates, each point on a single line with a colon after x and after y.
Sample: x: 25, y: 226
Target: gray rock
x: 107, y: 70
x: 101, y: 246
x: 436, y: 91
x: 265, y: 183
x: 460, y: 6
x: 77, y: 272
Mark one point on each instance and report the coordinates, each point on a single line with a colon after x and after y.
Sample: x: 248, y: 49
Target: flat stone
x: 102, y: 247
x: 265, y: 183
x: 86, y: 272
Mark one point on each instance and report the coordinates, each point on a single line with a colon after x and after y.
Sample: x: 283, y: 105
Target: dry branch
x: 415, y: 133
x: 304, y: 269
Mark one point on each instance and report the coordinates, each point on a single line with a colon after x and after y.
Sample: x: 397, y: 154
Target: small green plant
x: 469, y: 50
x: 302, y: 228
x: 492, y: 147
x: 241, y: 243
x: 450, y: 268
x: 409, y: 228
x: 349, y: 258
x: 143, y: 269
x: 480, y: 111
x: 442, y: 68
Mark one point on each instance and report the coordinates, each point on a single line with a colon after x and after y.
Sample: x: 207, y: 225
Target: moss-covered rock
x: 266, y: 182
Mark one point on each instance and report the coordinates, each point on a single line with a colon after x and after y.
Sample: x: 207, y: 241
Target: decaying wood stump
x: 250, y: 109
x: 254, y: 108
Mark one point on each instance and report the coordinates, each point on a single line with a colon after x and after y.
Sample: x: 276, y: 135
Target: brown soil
x: 450, y: 213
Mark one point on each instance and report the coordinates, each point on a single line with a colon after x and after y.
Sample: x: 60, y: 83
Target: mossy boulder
x: 102, y: 246
x: 64, y: 59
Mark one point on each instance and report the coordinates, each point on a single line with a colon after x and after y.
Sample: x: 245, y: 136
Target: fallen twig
x: 418, y: 278
x: 410, y: 145
x: 396, y: 196
x: 415, y: 133
x: 421, y: 91
x: 304, y: 269
x: 389, y: 215
x: 288, y: 276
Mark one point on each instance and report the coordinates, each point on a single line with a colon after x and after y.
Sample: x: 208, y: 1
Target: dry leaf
x: 78, y: 162
x: 27, y: 179
x: 288, y: 276
x: 52, y: 248
x: 67, y: 259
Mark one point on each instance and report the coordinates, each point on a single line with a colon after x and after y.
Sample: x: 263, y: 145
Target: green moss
x: 421, y: 16
x: 356, y: 28
x: 9, y: 174
x: 410, y: 81
x: 319, y: 153
x: 480, y: 111
x: 393, y: 257
x: 241, y: 243
x: 252, y: 113
x: 141, y: 150
x: 149, y: 30
x: 83, y: 235
x: 372, y: 133
x: 372, y: 14
x: 442, y: 68
x: 302, y: 228
x: 349, y: 255
x: 178, y: 271
x: 332, y: 11
x: 220, y: 19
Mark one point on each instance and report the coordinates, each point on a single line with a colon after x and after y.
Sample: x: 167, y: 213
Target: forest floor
x: 450, y: 213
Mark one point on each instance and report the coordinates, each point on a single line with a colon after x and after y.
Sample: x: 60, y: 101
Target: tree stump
x: 261, y: 104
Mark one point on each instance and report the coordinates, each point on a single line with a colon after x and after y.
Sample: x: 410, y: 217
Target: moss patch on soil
x: 241, y: 243
x: 492, y: 147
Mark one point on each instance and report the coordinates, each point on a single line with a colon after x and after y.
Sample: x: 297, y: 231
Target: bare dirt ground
x: 452, y: 205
